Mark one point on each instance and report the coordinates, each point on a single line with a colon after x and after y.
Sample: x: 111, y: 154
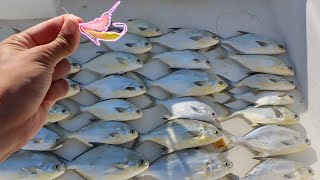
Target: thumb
x: 64, y: 44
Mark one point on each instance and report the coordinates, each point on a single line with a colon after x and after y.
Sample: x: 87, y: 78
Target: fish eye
x: 64, y: 111
x: 290, y: 67
x: 208, y: 62
x: 226, y: 163
x: 141, y: 87
x: 220, y: 82
x: 214, y: 37
x: 74, y: 64
x: 291, y: 82
x: 213, y: 114
x: 132, y: 131
x: 157, y: 29
x: 281, y: 46
x: 310, y: 171
x: 58, y: 166
x: 216, y: 132
x: 296, y: 116
x: 290, y: 96
x: 73, y: 86
x: 147, y: 43
x: 141, y: 162
x: 139, y: 61
x: 307, y: 141
x: 137, y: 111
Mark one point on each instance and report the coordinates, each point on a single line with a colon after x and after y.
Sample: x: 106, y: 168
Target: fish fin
x: 129, y: 88
x: 120, y: 109
x: 122, y: 60
x: 142, y: 28
x: 121, y: 166
x: 288, y: 142
x: 261, y: 159
x: 131, y: 19
x: 32, y: 170
x: 174, y: 28
x: 274, y: 80
x: 195, y: 38
x: 283, y: 95
x: 234, y: 140
x: 243, y: 32
x: 278, y: 113
x: 95, y: 144
x: 101, y: 52
x: 195, y: 133
x: 289, y: 176
x: 129, y: 44
x: 262, y: 44
x: 114, y: 134
x: 200, y: 83
x: 196, y: 60
x: 210, y: 48
x: 37, y: 140
x: 196, y: 109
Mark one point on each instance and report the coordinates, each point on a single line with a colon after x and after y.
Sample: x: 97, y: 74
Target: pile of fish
x: 191, y: 120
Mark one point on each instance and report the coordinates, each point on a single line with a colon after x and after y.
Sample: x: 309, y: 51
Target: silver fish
x: 188, y: 83
x: 106, y: 132
x: 279, y: 169
x: 277, y: 115
x: 75, y: 66
x: 57, y: 113
x: 187, y: 108
x: 44, y: 140
x: 263, y: 64
x: 248, y: 43
x: 267, y: 82
x: 272, y: 140
x: 184, y: 38
x: 115, y: 86
x: 109, y: 162
x: 143, y: 28
x: 114, y: 109
x: 130, y: 43
x: 183, y: 59
x: 262, y: 98
x: 113, y: 63
x: 28, y: 165
x: 74, y: 88
x: 182, y: 134
x: 190, y: 164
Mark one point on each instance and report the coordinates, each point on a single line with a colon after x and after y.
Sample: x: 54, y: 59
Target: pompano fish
x: 109, y: 162
x: 183, y: 59
x: 114, y: 109
x: 190, y: 164
x: 57, y: 113
x: 142, y: 28
x: 75, y: 66
x: 262, y: 98
x: 30, y: 165
x: 267, y: 115
x: 44, y: 140
x: 266, y: 82
x: 279, y: 169
x: 106, y: 132
x: 115, y: 86
x: 248, y: 43
x: 113, y: 63
x: 188, y: 83
x: 184, y: 38
x: 74, y: 88
x: 187, y: 108
x: 272, y: 140
x: 130, y: 43
x: 263, y: 64
x: 182, y: 134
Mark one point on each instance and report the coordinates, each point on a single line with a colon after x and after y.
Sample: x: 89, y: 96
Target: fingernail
x: 70, y: 27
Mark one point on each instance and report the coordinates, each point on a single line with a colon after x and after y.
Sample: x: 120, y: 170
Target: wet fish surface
x: 30, y: 165
x: 186, y: 59
x: 130, y: 43
x: 57, y: 113
x: 190, y: 164
x: 182, y: 134
x: 109, y: 162
x: 184, y: 38
x: 143, y: 28
x: 249, y: 43
x: 44, y: 140
x: 279, y: 169
x: 188, y: 83
x: 277, y: 115
x: 114, y: 109
x: 273, y: 140
x: 266, y: 82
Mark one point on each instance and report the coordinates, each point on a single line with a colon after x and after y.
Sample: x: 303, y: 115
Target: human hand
x: 32, y: 65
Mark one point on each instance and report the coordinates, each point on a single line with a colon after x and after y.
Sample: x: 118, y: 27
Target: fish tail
x: 65, y: 134
x: 154, y: 39
x: 137, y: 143
x: 229, y: 117
x: 234, y: 140
x: 154, y: 101
x: 148, y: 82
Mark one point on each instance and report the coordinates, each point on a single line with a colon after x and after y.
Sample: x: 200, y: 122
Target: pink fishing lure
x: 97, y: 29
